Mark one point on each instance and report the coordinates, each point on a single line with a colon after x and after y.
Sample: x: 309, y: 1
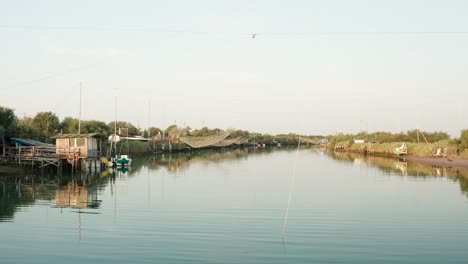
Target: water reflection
x: 81, y: 190
x: 238, y: 206
x: 404, y: 168
x: 180, y: 162
x: 77, y: 191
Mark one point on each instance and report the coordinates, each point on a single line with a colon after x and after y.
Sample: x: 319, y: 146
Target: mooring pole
x: 79, y: 120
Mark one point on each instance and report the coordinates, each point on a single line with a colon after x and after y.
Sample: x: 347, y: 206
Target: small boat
x: 117, y: 160
x: 123, y: 160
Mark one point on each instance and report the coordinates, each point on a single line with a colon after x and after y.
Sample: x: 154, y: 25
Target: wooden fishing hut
x: 78, y: 149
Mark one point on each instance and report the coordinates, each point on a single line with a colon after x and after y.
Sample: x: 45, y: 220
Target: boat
x: 118, y: 159
x: 123, y: 160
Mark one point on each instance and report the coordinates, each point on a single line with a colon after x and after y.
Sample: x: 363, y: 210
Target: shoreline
x: 449, y: 162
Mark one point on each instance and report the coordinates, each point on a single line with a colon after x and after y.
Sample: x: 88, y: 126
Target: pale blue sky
x: 197, y: 64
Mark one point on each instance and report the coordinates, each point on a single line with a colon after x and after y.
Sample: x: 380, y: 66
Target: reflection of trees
x: 417, y: 170
x: 180, y: 161
x: 75, y: 191
x: 463, y: 180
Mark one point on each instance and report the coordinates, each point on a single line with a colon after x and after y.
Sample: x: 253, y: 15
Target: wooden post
x: 3, y: 145
x: 19, y: 155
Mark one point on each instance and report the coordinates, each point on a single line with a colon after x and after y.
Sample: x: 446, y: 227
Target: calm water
x: 232, y: 207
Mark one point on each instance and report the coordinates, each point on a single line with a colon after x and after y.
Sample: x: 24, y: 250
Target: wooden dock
x: 41, y: 157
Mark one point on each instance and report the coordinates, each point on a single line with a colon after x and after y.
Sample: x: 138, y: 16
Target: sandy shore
x: 443, y: 162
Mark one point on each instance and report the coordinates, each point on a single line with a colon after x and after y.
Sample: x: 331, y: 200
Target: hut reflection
x: 70, y: 191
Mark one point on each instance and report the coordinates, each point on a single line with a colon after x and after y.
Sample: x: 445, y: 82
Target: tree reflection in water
x: 404, y: 168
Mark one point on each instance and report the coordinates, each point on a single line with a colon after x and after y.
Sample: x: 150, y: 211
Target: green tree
x: 464, y: 140
x: 8, y: 121
x: 153, y: 131
x: 124, y: 126
x: 94, y: 126
x: 46, y: 123
x: 69, y: 125
x: 170, y: 130
x: 240, y: 133
x: 203, y: 132
x: 25, y: 129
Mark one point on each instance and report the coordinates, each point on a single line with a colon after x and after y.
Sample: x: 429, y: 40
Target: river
x: 239, y: 206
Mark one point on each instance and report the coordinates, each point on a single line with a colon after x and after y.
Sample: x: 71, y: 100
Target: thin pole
x: 164, y: 120
x: 115, y: 126
x: 149, y: 118
x: 291, y: 188
x: 79, y: 119
x: 115, y: 115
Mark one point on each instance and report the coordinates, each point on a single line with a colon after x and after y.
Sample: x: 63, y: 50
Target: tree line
x: 44, y: 125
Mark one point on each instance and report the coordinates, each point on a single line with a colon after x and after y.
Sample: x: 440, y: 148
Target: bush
x: 464, y: 140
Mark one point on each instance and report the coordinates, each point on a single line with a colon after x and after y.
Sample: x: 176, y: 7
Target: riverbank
x: 422, y: 150
x: 419, y: 153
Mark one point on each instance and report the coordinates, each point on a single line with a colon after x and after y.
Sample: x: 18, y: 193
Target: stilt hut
x: 83, y: 146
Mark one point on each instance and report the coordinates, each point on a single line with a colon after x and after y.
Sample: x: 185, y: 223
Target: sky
x: 313, y: 67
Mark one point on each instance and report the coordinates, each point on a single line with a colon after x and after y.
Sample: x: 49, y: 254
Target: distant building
x: 359, y: 141
x: 323, y: 143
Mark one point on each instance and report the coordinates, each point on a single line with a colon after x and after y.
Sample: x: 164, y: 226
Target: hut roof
x: 75, y: 135
x: 30, y: 142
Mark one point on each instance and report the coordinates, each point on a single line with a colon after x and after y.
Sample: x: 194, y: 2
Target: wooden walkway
x: 39, y: 156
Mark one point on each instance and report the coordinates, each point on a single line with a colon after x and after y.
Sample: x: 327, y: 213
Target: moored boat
x: 123, y: 160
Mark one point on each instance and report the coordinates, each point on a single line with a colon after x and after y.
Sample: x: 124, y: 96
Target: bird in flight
x: 253, y: 35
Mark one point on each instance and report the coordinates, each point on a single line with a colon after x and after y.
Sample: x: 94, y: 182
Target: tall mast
x: 79, y: 119
x: 115, y: 127
x: 115, y: 116
x: 149, y: 118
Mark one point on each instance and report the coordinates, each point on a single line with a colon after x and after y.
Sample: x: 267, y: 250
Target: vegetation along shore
x: 420, y: 144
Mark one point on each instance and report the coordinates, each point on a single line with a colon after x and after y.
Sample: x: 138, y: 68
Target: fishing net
x: 228, y: 142
x: 201, y: 142
x: 241, y: 141
x: 312, y: 141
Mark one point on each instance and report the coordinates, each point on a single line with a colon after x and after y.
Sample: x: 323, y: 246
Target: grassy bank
x: 414, y: 149
x: 131, y: 147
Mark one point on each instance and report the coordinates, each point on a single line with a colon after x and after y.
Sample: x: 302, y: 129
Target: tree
x: 170, y: 130
x: 25, y: 129
x: 240, y: 133
x: 203, y: 132
x: 94, y: 126
x: 132, y: 130
x: 46, y: 123
x: 8, y: 121
x: 464, y: 140
x: 153, y: 131
x: 69, y: 125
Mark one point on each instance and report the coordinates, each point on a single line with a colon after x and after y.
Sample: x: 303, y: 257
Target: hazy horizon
x: 312, y: 67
